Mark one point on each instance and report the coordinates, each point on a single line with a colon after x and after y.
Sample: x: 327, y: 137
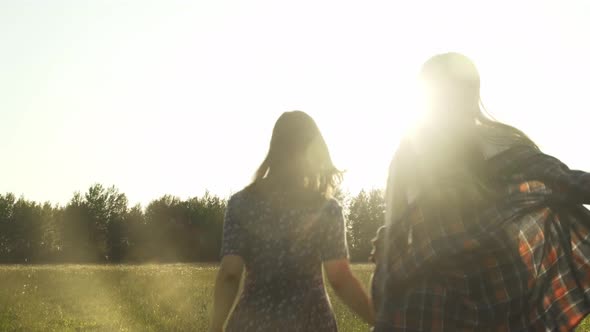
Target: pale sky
x: 177, y: 97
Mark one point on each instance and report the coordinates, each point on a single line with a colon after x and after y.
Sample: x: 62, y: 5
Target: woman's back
x: 283, y: 228
x: 283, y: 244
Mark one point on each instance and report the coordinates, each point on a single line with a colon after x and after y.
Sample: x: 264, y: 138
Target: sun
x: 363, y: 145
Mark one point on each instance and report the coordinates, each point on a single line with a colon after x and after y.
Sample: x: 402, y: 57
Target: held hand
x: 373, y: 317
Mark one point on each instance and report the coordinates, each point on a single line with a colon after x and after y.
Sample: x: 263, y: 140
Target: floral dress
x: 283, y: 249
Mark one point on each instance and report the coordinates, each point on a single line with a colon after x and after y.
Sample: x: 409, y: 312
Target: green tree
x: 107, y: 208
x: 206, y: 218
x: 135, y: 235
x: 164, y: 222
x: 6, y: 226
x: 75, y: 232
x: 366, y: 213
x: 50, y: 237
x: 26, y: 231
x: 98, y: 226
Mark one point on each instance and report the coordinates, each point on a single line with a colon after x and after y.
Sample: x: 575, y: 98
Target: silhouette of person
x: 283, y: 228
x: 484, y: 232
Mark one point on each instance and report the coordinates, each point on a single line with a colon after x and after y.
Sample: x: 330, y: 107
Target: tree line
x: 99, y: 226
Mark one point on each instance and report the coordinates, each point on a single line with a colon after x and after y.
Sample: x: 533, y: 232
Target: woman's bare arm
x: 226, y: 290
x: 349, y: 289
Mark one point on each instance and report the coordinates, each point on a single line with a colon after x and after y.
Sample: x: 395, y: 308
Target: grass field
x: 120, y: 298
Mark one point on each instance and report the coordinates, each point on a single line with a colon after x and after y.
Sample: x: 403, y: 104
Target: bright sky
x: 180, y: 96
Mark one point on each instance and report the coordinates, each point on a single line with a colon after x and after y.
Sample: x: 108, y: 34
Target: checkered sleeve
x: 574, y: 184
x: 418, y: 235
x: 429, y: 241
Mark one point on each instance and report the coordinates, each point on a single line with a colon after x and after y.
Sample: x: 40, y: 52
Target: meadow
x: 169, y: 297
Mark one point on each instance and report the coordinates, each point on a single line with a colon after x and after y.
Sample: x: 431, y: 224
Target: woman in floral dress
x: 281, y: 230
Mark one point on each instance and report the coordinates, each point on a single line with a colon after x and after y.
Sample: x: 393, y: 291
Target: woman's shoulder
x: 284, y: 199
x: 255, y: 191
x: 408, y: 150
x: 332, y: 205
x: 491, y: 148
x: 239, y: 198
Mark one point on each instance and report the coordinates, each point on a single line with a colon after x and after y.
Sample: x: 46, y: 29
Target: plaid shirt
x: 521, y: 263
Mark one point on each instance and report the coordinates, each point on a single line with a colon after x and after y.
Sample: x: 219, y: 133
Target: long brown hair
x: 298, y: 158
x: 457, y: 131
x: 453, y: 85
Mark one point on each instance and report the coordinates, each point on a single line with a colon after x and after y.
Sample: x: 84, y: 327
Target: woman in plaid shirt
x: 484, y: 232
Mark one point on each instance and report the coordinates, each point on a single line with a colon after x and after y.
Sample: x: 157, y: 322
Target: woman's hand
x: 349, y: 289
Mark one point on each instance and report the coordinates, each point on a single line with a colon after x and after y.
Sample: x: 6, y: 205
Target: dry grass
x: 173, y: 297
